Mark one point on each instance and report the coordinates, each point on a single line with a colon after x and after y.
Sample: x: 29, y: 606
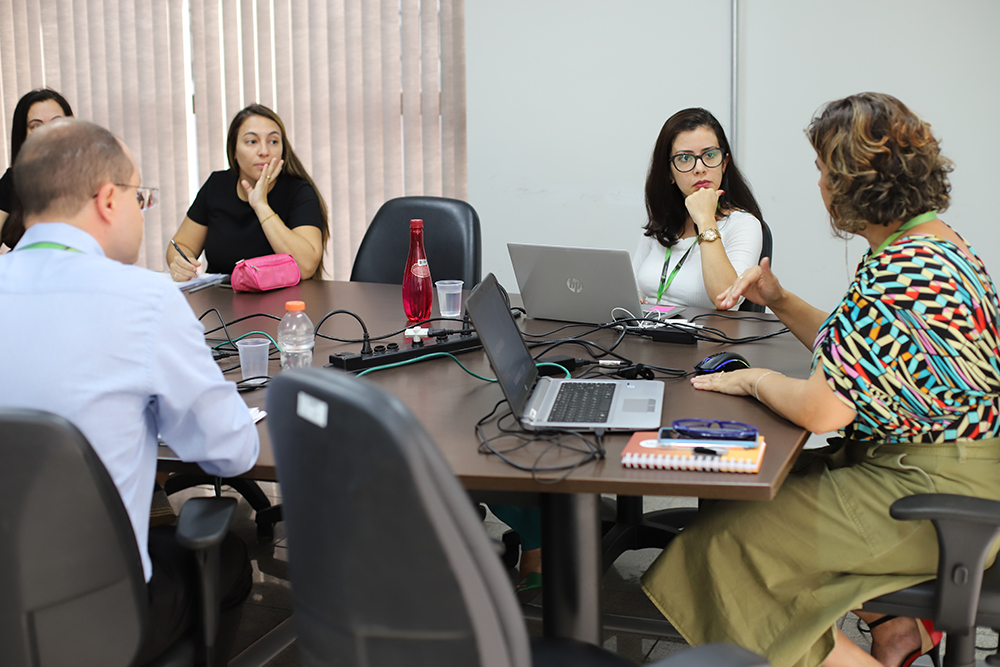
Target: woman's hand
x: 757, y: 284
x: 257, y: 193
x: 702, y: 205
x: 734, y: 383
x: 181, y: 269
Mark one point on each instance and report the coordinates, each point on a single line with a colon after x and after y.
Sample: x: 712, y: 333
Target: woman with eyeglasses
x: 33, y: 110
x: 905, y: 368
x: 704, y: 225
x: 264, y: 204
x: 703, y: 231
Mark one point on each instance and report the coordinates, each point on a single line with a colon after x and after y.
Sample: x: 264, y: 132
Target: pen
x: 178, y: 249
x: 708, y: 451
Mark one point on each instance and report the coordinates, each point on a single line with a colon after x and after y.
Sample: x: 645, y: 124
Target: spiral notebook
x: 641, y: 452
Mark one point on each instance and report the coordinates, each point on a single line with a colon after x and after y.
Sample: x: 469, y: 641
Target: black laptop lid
x: 502, y: 341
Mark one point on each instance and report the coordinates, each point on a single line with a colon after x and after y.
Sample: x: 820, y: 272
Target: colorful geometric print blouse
x: 913, y: 345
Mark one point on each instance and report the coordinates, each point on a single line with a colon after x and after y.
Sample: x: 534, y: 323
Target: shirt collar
x: 60, y: 232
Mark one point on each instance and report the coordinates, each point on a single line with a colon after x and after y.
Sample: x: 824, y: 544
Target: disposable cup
x: 253, y: 356
x: 450, y: 297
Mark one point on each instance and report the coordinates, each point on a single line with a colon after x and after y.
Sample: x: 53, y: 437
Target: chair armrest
x: 201, y: 527
x: 931, y: 506
x: 204, y: 522
x: 714, y: 655
x: 966, y: 528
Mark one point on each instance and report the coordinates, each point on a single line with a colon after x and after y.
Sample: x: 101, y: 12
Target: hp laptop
x: 579, y: 284
x: 543, y: 402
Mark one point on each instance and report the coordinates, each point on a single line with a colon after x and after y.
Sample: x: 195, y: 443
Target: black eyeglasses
x: 685, y: 162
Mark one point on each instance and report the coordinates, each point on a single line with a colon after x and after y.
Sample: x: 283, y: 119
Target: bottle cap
x: 416, y: 224
x: 295, y: 305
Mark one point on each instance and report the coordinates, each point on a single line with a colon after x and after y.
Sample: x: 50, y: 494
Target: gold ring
x: 267, y: 178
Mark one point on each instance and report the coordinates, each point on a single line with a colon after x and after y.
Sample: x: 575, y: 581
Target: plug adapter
x: 569, y: 363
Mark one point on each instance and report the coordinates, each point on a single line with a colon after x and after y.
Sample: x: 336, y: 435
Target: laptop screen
x: 502, y: 341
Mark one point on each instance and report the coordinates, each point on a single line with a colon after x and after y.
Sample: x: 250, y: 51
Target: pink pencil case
x: 260, y: 274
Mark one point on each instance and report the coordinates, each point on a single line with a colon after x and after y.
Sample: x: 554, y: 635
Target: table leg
x: 571, y: 564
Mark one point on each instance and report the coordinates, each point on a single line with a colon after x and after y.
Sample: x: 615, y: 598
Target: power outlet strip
x: 453, y: 344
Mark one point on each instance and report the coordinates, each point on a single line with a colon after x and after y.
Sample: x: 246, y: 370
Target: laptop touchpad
x: 638, y: 405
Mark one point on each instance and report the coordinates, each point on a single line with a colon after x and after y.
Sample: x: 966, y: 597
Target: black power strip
x: 453, y: 344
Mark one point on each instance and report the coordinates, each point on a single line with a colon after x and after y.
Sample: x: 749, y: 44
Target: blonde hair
x: 883, y: 162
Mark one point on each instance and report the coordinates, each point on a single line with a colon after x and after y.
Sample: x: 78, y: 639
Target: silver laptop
x: 591, y: 285
x: 541, y: 402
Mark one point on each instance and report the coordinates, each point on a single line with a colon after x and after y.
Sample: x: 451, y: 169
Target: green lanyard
x: 664, y: 280
x: 48, y: 245
x: 903, y: 228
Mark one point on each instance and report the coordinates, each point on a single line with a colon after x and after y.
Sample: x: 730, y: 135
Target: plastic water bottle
x: 296, y: 336
x: 418, y: 289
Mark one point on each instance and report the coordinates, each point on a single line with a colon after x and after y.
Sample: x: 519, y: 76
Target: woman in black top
x: 33, y: 110
x: 265, y: 203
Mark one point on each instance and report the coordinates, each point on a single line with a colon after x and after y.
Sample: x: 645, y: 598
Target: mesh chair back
x: 766, y: 248
x: 388, y: 561
x: 71, y: 582
x: 451, y: 238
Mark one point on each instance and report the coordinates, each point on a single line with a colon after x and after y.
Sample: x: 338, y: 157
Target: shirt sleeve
x: 743, y: 239
x: 200, y: 415
x: 200, y: 209
x: 303, y: 208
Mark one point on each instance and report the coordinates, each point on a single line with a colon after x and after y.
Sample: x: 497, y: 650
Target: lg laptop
x: 578, y: 284
x: 543, y: 402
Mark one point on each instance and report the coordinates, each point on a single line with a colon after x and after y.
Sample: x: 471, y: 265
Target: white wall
x: 566, y: 98
x: 940, y: 58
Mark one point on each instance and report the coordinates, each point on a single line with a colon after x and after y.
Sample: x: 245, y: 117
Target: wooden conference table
x: 448, y: 402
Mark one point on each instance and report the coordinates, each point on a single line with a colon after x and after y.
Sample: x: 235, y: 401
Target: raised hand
x: 702, y: 205
x: 758, y: 284
x: 257, y: 193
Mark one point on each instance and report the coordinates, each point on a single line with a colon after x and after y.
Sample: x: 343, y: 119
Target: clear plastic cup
x: 450, y: 297
x: 253, y: 357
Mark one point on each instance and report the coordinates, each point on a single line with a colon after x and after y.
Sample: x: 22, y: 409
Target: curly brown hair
x: 883, y: 162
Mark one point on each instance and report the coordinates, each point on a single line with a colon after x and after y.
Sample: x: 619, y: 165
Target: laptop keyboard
x: 579, y: 402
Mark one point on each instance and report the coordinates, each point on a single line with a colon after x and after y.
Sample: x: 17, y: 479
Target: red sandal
x: 930, y: 640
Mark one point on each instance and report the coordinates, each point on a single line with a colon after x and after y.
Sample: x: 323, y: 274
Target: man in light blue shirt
x: 113, y: 348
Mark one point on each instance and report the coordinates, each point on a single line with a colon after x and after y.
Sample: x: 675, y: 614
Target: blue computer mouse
x: 721, y: 361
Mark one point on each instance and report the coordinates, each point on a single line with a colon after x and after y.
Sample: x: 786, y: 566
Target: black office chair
x: 71, y: 579
x: 765, y: 251
x: 388, y: 561
x: 452, y: 240
x: 266, y: 515
x: 962, y: 597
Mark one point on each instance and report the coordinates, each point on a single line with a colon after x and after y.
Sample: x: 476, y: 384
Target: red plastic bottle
x: 418, y: 289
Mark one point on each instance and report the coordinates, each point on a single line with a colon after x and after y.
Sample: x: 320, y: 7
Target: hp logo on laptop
x: 575, y: 285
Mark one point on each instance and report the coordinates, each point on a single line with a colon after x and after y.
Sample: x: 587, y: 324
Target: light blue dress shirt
x: 117, y: 351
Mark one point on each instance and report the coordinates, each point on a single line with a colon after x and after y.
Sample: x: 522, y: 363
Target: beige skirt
x: 775, y: 576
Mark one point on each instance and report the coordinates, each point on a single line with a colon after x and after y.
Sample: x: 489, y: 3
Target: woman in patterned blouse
x: 906, y: 367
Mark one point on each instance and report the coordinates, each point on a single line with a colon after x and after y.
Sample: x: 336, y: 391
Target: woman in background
x: 905, y: 367
x: 33, y: 110
x: 702, y: 219
x: 265, y: 203
x: 704, y: 225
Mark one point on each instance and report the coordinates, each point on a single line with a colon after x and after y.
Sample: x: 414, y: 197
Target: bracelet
x: 757, y: 383
x: 267, y: 218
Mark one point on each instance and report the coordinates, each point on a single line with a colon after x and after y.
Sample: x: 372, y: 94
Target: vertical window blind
x: 372, y: 92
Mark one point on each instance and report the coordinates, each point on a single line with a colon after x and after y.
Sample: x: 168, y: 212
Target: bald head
x: 63, y: 164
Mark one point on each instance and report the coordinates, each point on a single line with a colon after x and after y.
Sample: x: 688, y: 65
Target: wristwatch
x: 708, y: 235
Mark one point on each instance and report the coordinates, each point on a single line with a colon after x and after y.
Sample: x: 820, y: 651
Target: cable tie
x: 611, y: 362
x: 416, y: 332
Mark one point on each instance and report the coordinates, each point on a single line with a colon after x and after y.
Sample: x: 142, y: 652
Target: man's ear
x: 107, y: 201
